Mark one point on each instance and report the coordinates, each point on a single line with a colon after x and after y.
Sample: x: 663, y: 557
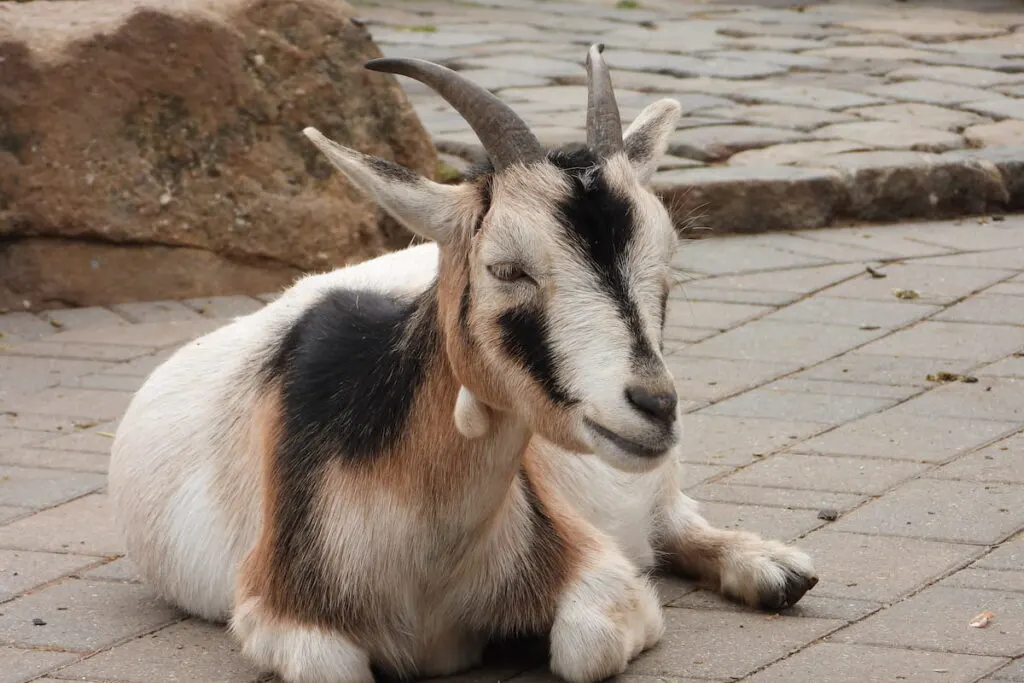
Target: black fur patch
x: 599, y: 224
x: 350, y: 369
x: 524, y: 336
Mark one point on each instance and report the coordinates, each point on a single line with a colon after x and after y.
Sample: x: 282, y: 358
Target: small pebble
x: 828, y: 514
x: 38, y: 622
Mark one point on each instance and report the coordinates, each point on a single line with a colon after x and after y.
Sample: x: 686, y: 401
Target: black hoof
x: 796, y: 586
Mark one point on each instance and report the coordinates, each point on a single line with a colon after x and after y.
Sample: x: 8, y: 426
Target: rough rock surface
x: 156, y: 148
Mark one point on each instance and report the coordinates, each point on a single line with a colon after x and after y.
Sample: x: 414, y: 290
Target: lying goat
x: 475, y: 437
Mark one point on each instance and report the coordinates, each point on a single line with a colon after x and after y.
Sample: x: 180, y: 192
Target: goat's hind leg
x: 296, y: 652
x: 761, y: 573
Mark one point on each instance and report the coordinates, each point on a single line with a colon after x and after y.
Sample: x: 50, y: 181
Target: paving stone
x: 17, y: 665
x: 1004, y: 259
x: 776, y: 43
x: 947, y: 340
x: 793, y: 153
x: 853, y: 312
x: 439, y: 38
x: 776, y: 57
x: 543, y: 67
x: 102, y: 352
x: 20, y: 326
x: 81, y: 403
x: 798, y: 407
x: 141, y: 366
x: 54, y: 459
x: 1008, y: 367
x: 718, y: 316
x: 83, y: 616
x: 498, y: 79
x: 1014, y: 671
x: 156, y: 334
x: 77, y: 318
x: 34, y: 487
x: 799, y: 244
x: 931, y: 92
x: 122, y: 383
x: 119, y: 570
x: 972, y: 235
x: 96, y: 440
x: 956, y: 511
x: 790, y: 499
x: 825, y: 473
x: 862, y: 567
x: 707, y: 65
x: 189, y: 651
x: 10, y: 512
x: 690, y: 36
x: 937, y: 618
x: 29, y: 375
x: 710, y: 143
x: 935, y: 284
x: 669, y: 162
x: 978, y: 78
x: 839, y: 388
x: 770, y: 522
x: 805, y: 343
x: 224, y: 306
x: 1006, y: 45
x: 871, y: 53
x: 993, y: 309
x: 21, y: 570
x: 927, y: 29
x: 778, y: 115
x: 720, y: 440
x: 924, y: 115
x: 991, y: 398
x: 83, y: 526
x: 849, y: 663
x: 1009, y: 556
x: 709, y: 644
x: 738, y: 254
x: 155, y: 312
x: 802, y: 280
x: 709, y: 379
x: 893, y: 240
x: 1003, y: 134
x: 908, y: 437
x: 809, y: 96
x: 891, y: 135
x: 986, y: 579
x: 699, y: 292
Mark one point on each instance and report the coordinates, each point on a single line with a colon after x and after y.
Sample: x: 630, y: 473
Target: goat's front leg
x: 606, y: 615
x: 761, y: 573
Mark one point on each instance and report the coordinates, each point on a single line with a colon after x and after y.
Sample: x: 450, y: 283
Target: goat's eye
x: 507, y: 272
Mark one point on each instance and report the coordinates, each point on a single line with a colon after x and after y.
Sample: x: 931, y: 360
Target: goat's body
x: 185, y: 477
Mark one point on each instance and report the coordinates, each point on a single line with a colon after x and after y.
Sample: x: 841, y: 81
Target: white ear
x: 646, y: 139
x: 471, y: 417
x: 429, y: 209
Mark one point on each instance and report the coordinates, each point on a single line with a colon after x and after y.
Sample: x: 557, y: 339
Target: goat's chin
x: 629, y: 463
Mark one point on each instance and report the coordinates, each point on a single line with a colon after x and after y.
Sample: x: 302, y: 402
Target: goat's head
x: 554, y: 268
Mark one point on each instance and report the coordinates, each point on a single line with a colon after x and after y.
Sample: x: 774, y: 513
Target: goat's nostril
x: 661, y: 405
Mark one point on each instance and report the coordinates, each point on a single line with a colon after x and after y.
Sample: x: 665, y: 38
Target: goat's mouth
x: 628, y: 445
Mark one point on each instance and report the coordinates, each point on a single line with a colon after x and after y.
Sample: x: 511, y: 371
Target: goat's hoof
x: 768, y: 575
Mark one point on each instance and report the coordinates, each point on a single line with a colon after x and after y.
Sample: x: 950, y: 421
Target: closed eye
x: 509, y: 272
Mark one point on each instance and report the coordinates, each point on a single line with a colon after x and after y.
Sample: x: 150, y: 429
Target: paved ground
x: 808, y: 112
x: 810, y: 386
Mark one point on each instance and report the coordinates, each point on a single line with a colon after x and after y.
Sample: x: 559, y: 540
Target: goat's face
x: 563, y: 303
x: 554, y: 276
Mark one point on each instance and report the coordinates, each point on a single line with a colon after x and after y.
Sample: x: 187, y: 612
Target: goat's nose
x: 659, y: 405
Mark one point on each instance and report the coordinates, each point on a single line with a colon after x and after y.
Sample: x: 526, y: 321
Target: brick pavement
x: 809, y: 385
x: 797, y: 114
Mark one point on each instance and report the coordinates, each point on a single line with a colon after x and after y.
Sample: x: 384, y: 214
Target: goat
x: 470, y: 438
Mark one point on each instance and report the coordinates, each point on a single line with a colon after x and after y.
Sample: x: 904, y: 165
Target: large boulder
x: 154, y: 150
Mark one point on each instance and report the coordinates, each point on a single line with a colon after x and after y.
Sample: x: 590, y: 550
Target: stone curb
x: 845, y: 188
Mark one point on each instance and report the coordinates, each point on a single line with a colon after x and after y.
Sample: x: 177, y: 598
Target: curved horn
x: 604, y: 127
x: 503, y: 134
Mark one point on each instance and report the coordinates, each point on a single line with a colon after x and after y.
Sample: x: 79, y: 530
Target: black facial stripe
x: 599, y: 224
x: 524, y: 336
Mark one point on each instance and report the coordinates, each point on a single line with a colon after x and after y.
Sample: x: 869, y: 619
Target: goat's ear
x: 429, y: 209
x: 646, y: 139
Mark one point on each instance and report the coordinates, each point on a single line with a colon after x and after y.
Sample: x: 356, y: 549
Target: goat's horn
x: 504, y: 135
x: 604, y: 127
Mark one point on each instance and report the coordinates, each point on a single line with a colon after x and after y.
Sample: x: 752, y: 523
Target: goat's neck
x: 468, y: 477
